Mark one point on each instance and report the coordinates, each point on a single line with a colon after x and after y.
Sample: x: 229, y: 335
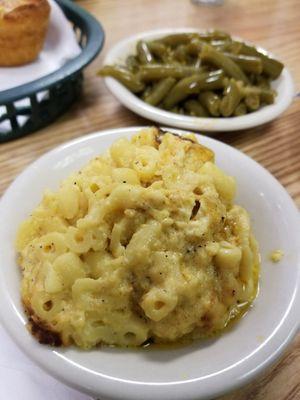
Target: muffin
x: 23, y: 27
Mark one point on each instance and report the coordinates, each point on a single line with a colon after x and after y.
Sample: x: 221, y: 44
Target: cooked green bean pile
x: 199, y: 74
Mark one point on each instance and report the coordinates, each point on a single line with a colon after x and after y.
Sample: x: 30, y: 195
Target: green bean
x: 175, y: 110
x: 266, y: 96
x: 211, y: 102
x: 233, y: 47
x: 175, y: 39
x: 271, y: 67
x: 143, y: 53
x: 248, y: 64
x: 252, y: 78
x: 213, y: 35
x: 154, y: 72
x: 214, y: 81
x: 160, y: 91
x: 220, y: 44
x: 157, y: 49
x: 184, y: 38
x: 183, y: 88
x: 197, y: 64
x: 168, y: 59
x: 252, y: 101
x: 195, y: 109
x: 125, y: 77
x: 148, y: 89
x: 262, y: 81
x: 181, y: 53
x: 218, y: 59
x: 240, y: 110
x: 186, y: 86
x: 226, y: 82
x: 186, y: 72
x: 194, y: 47
x: 231, y: 99
x: 132, y: 63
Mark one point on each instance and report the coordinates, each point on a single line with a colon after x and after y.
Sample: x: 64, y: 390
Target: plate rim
x: 113, y: 387
x: 221, y: 124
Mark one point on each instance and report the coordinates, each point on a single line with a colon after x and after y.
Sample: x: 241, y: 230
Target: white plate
x: 202, y: 370
x: 117, y: 55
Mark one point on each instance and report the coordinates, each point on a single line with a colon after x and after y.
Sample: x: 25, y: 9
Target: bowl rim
x: 115, y: 388
x: 132, y: 102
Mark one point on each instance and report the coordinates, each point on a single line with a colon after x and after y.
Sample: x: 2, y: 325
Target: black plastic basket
x: 50, y: 96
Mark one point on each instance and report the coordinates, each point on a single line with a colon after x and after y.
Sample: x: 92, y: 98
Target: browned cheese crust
x: 39, y: 329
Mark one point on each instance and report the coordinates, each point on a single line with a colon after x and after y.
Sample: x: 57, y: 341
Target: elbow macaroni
x: 142, y: 243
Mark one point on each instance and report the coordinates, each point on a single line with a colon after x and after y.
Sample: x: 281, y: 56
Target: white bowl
x: 203, y: 369
x: 118, y: 54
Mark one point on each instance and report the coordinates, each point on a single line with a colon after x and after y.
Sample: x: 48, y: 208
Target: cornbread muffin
x: 23, y: 27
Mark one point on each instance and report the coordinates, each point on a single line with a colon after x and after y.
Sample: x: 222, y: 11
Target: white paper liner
x: 21, y: 379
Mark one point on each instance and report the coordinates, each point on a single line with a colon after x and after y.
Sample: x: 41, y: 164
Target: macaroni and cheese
x: 143, y: 243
